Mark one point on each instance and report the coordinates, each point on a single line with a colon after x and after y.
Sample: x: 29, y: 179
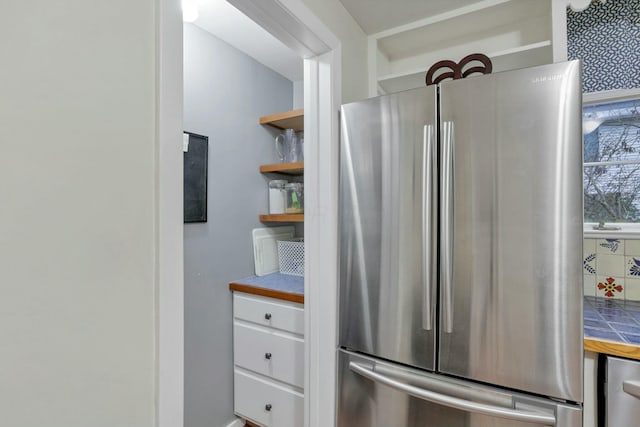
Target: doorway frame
x: 296, y: 26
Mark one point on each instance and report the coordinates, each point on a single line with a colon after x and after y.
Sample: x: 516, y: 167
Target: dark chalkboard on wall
x: 196, y: 160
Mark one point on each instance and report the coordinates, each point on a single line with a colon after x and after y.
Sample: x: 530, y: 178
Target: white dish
x: 265, y: 247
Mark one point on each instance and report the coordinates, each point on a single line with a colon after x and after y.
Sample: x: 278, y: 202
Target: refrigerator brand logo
x: 543, y: 79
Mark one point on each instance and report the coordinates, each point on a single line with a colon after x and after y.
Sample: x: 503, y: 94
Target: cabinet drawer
x: 269, y: 312
x: 253, y: 394
x: 622, y: 399
x: 269, y: 353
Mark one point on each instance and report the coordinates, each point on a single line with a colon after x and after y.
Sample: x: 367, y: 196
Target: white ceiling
x: 227, y: 23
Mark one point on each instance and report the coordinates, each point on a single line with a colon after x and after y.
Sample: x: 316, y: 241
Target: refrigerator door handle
x: 632, y: 388
x: 446, y: 215
x: 546, y: 419
x: 427, y: 231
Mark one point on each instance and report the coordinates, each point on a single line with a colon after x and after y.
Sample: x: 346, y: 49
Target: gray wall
x: 225, y: 94
x: 298, y: 94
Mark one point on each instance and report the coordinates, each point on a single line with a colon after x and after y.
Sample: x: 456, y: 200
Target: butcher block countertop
x: 276, y: 285
x: 613, y: 348
x: 612, y: 326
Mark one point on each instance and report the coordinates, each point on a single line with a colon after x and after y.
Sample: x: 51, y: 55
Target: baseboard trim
x: 236, y: 423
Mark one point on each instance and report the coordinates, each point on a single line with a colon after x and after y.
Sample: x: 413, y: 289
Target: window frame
x: 628, y: 230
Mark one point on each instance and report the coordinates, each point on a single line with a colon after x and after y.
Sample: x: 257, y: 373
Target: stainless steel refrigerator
x: 461, y: 254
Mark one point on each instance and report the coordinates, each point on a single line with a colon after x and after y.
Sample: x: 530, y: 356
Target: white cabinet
x: 269, y: 353
x: 268, y: 346
x: 266, y: 402
x: 269, y: 312
x: 590, y: 389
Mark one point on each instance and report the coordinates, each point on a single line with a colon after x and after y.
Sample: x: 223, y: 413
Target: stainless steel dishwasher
x: 622, y: 393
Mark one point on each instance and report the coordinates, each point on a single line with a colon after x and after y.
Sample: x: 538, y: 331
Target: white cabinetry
x: 268, y: 346
x: 513, y: 33
x: 590, y: 389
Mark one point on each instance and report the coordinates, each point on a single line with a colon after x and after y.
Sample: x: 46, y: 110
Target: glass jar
x: 295, y: 197
x: 277, y: 196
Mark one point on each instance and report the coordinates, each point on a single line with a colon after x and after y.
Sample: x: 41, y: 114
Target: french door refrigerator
x: 461, y: 254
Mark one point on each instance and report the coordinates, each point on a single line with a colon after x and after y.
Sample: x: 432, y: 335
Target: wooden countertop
x: 612, y: 348
x: 266, y: 292
x: 279, y: 286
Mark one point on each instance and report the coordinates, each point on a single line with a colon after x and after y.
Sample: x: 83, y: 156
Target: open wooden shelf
x: 288, y: 120
x: 282, y: 218
x: 296, y: 168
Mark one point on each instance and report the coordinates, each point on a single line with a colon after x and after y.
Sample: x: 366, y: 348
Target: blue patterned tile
x: 626, y: 328
x: 588, y: 314
x: 596, y: 324
x: 612, y: 311
x: 632, y: 305
x: 602, y: 334
x: 634, y: 321
x: 612, y: 320
x: 607, y: 303
x: 631, y: 339
x: 616, y: 319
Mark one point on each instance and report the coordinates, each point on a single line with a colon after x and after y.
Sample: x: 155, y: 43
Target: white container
x: 291, y: 256
x: 277, y: 196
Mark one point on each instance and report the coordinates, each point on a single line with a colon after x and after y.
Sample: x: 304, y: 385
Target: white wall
x: 354, y: 46
x: 77, y: 232
x: 225, y: 93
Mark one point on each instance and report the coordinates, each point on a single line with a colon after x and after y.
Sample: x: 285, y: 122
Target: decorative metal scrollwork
x: 459, y: 70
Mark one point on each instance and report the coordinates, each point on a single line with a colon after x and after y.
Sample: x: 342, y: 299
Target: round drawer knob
x: 267, y: 406
x: 267, y: 316
x: 267, y: 355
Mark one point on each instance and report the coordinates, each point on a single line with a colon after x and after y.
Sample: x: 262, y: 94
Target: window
x: 612, y: 161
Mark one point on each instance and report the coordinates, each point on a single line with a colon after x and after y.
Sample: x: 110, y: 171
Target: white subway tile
x: 589, y: 246
x: 632, y: 289
x: 632, y: 247
x: 589, y: 285
x: 610, y: 265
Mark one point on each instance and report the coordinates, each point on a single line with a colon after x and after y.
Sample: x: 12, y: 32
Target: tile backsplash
x: 611, y: 268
